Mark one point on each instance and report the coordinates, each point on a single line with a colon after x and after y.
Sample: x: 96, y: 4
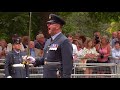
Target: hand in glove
x: 30, y: 59
x: 24, y: 57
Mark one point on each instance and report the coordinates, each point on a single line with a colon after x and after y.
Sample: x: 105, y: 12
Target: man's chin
x: 49, y: 32
x: 17, y: 49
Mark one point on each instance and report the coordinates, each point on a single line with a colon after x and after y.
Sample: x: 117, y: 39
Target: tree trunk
x: 44, y: 18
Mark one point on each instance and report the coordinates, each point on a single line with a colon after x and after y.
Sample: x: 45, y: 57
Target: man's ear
x: 58, y: 26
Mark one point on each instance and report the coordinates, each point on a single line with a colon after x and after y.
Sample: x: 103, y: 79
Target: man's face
x: 52, y: 28
x: 117, y: 45
x: 42, y: 39
x: 17, y: 46
x: 32, y: 45
x: 90, y: 44
x: 114, y: 34
x: 70, y: 39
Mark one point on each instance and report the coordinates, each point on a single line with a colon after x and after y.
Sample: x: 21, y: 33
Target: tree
x: 81, y: 22
x: 13, y: 22
x: 84, y: 23
x: 105, y: 16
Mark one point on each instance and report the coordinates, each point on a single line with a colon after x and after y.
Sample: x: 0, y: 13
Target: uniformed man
x: 57, y: 51
x: 14, y: 67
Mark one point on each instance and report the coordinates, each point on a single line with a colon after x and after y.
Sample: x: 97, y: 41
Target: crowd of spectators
x: 99, y: 46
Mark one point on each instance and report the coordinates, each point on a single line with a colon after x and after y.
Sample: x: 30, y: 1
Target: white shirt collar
x: 17, y: 51
x: 54, y: 36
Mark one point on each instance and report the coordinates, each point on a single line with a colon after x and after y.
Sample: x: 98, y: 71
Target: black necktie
x: 51, y: 39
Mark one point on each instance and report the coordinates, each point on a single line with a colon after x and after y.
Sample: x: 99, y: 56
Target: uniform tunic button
x: 47, y: 52
x: 45, y: 58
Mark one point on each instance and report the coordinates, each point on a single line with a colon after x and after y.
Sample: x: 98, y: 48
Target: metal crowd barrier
x: 80, y: 70
x: 94, y: 70
x: 36, y: 72
x: 2, y: 75
x: 99, y: 70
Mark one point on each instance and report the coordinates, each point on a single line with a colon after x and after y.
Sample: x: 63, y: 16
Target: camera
x: 101, y: 56
x: 97, y: 39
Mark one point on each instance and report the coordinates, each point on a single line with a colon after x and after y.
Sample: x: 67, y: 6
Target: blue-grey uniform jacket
x: 16, y: 72
x: 59, y: 50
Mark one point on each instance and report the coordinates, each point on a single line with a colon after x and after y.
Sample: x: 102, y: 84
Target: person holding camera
x: 104, y: 50
x: 96, y: 37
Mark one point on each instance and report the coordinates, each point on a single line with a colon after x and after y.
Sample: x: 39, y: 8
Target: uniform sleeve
x: 7, y: 63
x: 67, y: 59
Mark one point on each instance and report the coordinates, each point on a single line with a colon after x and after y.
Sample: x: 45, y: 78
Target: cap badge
x: 50, y: 17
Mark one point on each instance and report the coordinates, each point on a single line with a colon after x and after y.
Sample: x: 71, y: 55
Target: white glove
x: 24, y: 57
x: 31, y: 59
x: 9, y: 77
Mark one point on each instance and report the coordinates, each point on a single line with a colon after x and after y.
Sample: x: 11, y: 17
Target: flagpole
x: 29, y: 32
x: 30, y: 14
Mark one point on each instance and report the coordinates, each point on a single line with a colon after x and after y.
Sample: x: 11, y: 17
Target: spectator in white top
x: 79, y: 45
x: 89, y: 52
x: 116, y: 53
x: 75, y: 51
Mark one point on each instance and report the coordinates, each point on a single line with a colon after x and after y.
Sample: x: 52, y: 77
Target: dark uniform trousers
x: 58, y: 51
x: 50, y: 71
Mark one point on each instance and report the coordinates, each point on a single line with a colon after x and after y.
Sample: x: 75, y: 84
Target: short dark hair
x: 69, y: 35
x: 117, y: 42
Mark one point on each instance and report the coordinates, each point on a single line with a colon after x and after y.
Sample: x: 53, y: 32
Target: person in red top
x: 104, y: 50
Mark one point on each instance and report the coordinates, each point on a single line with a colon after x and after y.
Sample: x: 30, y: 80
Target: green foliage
x: 105, y: 16
x: 84, y: 23
x: 114, y: 26
x: 11, y: 23
x: 17, y: 22
x: 81, y: 22
x: 112, y: 19
x: 4, y: 36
